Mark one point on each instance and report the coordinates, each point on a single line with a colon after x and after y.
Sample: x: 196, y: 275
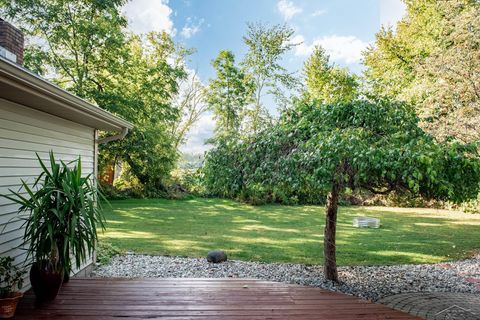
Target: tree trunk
x: 330, y: 264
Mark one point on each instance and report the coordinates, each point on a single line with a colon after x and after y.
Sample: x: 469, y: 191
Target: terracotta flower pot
x: 9, y: 305
x: 45, y: 282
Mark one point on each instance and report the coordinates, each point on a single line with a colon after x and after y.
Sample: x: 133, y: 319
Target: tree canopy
x: 85, y: 48
x: 432, y: 60
x: 327, y: 82
x: 142, y: 91
x: 77, y: 40
x: 267, y: 46
x: 228, y: 95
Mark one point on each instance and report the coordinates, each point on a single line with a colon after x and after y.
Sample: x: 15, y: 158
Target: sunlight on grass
x: 256, y: 240
x: 115, y: 222
x: 128, y: 234
x: 425, y: 224
x: 274, y: 233
x: 257, y: 227
x: 471, y: 223
x: 242, y: 220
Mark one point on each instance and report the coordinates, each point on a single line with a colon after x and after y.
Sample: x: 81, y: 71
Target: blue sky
x: 343, y: 27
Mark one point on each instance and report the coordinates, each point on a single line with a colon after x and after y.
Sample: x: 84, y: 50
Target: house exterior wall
x: 23, y: 132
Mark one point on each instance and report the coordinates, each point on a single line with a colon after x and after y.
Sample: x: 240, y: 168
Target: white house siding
x: 24, y: 132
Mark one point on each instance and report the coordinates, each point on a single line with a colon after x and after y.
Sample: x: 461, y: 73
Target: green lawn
x: 288, y: 233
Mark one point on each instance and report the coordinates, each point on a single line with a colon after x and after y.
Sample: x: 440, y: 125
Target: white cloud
x: 347, y: 49
x: 197, y: 136
x: 191, y: 27
x: 391, y: 11
x: 319, y: 13
x: 149, y: 15
x: 288, y: 9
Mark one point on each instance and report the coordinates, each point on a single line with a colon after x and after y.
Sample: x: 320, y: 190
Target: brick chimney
x: 11, y: 42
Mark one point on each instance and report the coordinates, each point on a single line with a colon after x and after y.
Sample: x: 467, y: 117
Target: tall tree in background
x: 84, y: 46
x: 267, y: 46
x: 228, y: 95
x: 326, y: 82
x: 142, y: 91
x: 77, y: 40
x: 432, y: 60
x: 191, y: 104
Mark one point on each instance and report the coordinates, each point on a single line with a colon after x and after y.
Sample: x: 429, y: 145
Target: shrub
x: 11, y: 277
x: 106, y: 251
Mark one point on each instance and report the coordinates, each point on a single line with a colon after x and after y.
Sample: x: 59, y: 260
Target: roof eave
x: 22, y: 86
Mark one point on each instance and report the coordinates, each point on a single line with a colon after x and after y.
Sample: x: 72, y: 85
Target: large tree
x: 378, y: 146
x: 432, y: 60
x: 191, y: 104
x: 142, y: 92
x: 76, y: 41
x: 267, y: 46
x: 228, y: 94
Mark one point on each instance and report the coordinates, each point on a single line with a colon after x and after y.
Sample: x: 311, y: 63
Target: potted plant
x: 11, y: 280
x: 61, y: 226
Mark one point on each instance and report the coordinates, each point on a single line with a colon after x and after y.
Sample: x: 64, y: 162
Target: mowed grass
x: 275, y: 233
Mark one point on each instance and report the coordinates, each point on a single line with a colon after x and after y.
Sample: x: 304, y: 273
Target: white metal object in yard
x: 366, y: 222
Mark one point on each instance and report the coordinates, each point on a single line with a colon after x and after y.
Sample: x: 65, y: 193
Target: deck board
x: 230, y: 299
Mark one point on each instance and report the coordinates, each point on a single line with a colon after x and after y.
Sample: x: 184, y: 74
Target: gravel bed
x: 368, y: 282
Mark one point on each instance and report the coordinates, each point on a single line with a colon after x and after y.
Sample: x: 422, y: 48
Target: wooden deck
x: 214, y: 299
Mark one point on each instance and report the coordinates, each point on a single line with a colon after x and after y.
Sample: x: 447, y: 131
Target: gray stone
x: 216, y: 256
